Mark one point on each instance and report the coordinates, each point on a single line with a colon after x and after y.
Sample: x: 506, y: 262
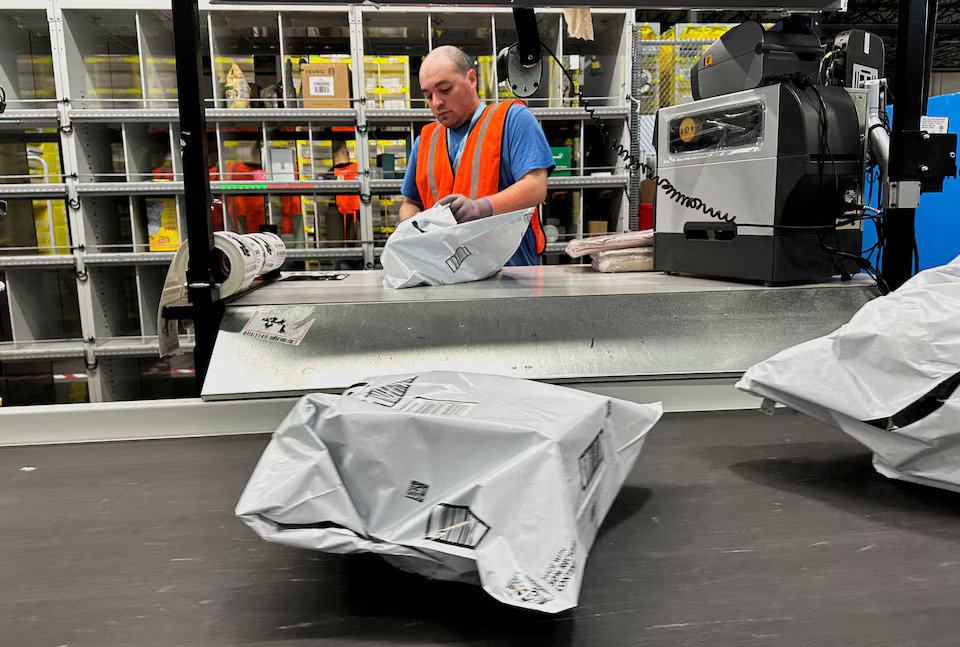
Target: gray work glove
x: 464, y: 209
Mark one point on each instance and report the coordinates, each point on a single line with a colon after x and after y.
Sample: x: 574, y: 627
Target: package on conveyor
x: 596, y: 244
x: 888, y: 378
x: 475, y: 478
x: 432, y: 249
x: 634, y: 259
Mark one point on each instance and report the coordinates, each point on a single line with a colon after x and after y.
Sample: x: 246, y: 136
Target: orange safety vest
x: 249, y: 206
x: 478, y: 174
x: 347, y: 204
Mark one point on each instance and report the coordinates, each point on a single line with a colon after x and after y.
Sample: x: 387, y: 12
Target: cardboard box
x: 595, y: 227
x: 648, y: 191
x: 325, y: 85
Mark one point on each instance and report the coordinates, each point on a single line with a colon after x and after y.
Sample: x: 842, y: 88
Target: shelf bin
x: 103, y: 58
x: 26, y: 62
x: 116, y: 307
x: 43, y: 304
x: 311, y: 37
x: 35, y: 227
x: 246, y: 58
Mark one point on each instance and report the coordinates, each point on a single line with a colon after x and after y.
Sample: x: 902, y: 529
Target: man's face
x: 451, y: 96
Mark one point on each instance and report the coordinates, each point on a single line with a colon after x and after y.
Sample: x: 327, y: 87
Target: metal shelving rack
x: 90, y: 307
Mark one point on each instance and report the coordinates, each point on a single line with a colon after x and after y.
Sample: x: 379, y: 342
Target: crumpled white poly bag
x: 885, y: 378
x: 476, y: 478
x: 432, y: 249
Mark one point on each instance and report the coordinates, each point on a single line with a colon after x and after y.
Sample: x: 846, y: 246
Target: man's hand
x: 464, y: 209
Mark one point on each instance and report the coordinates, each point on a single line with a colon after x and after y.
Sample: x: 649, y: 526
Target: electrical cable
x: 633, y: 164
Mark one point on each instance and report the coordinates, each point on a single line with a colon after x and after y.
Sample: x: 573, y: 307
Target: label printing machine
x: 682, y: 336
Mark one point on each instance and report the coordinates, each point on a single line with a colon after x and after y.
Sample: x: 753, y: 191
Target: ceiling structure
x: 877, y: 16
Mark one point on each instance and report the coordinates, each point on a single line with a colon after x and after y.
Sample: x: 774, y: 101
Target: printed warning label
x: 455, y: 261
x: 455, y: 525
x: 590, y: 460
x: 562, y: 569
x: 278, y: 329
x: 526, y: 589
x: 386, y: 395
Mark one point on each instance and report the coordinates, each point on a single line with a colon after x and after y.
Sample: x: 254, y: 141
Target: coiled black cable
x: 634, y: 165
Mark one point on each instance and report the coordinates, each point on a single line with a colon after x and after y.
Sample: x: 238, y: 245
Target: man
x: 247, y: 212
x: 348, y: 206
x: 496, y: 158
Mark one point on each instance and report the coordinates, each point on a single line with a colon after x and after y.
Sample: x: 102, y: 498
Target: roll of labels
x: 239, y: 260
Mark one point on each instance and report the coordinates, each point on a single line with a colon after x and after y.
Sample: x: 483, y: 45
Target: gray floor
x: 735, y: 529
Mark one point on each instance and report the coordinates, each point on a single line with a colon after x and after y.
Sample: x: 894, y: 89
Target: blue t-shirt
x: 524, y: 149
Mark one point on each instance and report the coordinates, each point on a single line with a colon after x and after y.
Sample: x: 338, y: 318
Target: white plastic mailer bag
x: 888, y: 378
x: 432, y: 249
x: 477, y: 478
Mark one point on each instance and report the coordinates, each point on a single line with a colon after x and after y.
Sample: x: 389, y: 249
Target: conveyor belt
x: 557, y: 323
x: 734, y: 529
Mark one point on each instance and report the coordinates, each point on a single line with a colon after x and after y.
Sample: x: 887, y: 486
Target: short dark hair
x: 461, y: 61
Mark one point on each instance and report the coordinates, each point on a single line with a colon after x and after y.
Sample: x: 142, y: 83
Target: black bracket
x: 928, y: 158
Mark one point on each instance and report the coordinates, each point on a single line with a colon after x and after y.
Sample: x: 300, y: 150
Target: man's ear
x: 472, y: 77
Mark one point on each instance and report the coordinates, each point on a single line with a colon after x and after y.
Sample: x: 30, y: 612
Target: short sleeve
x: 409, y: 189
x: 526, y: 146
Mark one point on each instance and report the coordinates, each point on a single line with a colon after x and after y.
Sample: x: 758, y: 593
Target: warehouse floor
x: 734, y: 529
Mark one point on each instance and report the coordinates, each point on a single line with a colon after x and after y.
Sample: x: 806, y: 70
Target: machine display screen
x: 717, y: 130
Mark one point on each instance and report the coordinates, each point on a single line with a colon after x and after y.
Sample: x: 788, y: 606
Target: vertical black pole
x: 203, y: 295
x: 907, y: 109
x: 928, y: 59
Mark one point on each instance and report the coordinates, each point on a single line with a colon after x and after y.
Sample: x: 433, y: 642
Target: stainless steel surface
x: 136, y: 346
x: 147, y: 115
x: 321, y: 253
x: 11, y: 117
x: 129, y: 258
x: 139, y: 420
x: 510, y: 283
x: 563, y: 324
x: 607, y: 112
x: 381, y: 185
x: 45, y: 350
x: 57, y: 191
x: 399, y: 116
x: 228, y: 115
x: 131, y: 188
x: 588, y: 181
x: 304, y: 115
x: 59, y: 260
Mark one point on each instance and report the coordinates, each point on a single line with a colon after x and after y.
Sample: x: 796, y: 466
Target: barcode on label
x: 388, y: 395
x: 269, y: 337
x: 590, y: 460
x: 321, y: 86
x: 455, y: 525
x: 455, y: 261
x: 437, y: 407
